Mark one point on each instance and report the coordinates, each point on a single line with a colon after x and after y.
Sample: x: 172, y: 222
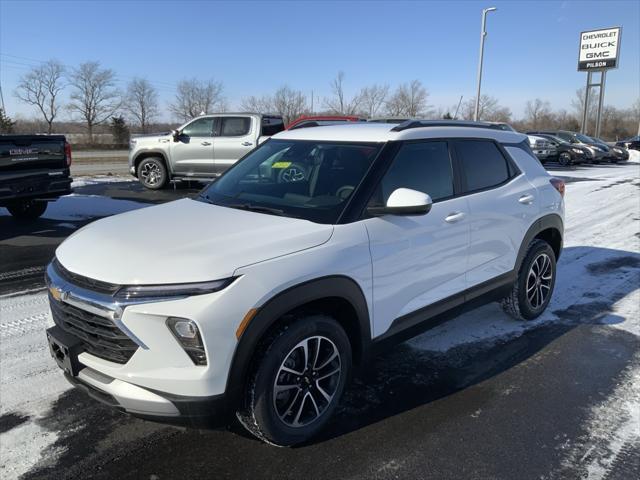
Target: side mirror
x: 404, y: 201
x: 175, y: 134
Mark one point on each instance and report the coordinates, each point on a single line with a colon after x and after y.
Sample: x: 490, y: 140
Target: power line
x: 162, y: 85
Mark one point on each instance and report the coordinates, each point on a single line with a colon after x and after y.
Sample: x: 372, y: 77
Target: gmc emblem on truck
x: 22, y: 151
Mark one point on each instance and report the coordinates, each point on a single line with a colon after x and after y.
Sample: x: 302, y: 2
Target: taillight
x: 67, y: 153
x: 558, y: 184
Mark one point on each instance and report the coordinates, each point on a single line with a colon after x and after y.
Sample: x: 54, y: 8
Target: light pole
x: 483, y: 33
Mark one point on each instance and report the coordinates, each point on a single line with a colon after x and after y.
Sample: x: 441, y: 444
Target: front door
x: 235, y: 137
x: 192, y: 154
x: 419, y: 259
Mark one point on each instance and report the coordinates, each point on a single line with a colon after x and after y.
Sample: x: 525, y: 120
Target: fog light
x: 187, y: 333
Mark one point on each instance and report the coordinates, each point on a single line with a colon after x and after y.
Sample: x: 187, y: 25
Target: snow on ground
x: 82, y: 207
x: 96, y: 179
x: 598, y: 282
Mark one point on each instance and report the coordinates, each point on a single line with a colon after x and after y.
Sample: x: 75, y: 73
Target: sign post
x: 599, y: 52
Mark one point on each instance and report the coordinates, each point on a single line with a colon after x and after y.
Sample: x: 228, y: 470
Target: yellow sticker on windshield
x: 280, y: 164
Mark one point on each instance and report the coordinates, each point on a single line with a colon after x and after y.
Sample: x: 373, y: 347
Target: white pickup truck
x: 201, y: 149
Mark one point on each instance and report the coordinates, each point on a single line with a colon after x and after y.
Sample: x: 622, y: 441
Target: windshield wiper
x: 257, y: 208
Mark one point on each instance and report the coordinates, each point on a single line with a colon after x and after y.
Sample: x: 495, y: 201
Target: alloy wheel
x: 151, y: 173
x: 539, y: 281
x: 307, y: 381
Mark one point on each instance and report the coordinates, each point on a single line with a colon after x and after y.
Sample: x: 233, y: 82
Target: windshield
x: 584, y: 138
x: 296, y: 178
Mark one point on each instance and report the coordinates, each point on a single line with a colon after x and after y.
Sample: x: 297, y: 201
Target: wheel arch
x: 148, y: 154
x: 339, y: 296
x: 549, y: 228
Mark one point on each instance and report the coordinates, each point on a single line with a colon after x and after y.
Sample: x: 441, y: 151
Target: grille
x: 99, y: 335
x: 85, y: 282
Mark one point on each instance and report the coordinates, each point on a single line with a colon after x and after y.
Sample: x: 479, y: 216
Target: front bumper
x: 158, y: 381
x: 202, y: 412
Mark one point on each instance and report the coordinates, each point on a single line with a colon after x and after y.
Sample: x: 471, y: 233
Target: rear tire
x: 27, y: 209
x: 533, y: 288
x: 152, y: 173
x: 290, y: 396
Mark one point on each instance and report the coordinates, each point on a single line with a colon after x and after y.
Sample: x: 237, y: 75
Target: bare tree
x: 41, y: 87
x: 490, y: 110
x: 372, y: 98
x: 141, y: 102
x: 408, y: 100
x: 538, y: 113
x: 338, y: 103
x: 262, y: 104
x: 94, y: 97
x: 195, y: 97
x: 289, y: 103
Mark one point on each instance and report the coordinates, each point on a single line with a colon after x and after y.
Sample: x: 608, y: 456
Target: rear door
x: 502, y: 205
x: 192, y: 154
x: 235, y: 136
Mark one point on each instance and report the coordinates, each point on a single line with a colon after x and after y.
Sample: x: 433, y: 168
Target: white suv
x: 256, y: 299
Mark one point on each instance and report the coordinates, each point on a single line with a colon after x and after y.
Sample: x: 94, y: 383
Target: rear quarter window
x: 482, y: 163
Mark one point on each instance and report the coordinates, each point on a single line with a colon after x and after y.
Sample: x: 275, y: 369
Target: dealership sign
x: 599, y: 49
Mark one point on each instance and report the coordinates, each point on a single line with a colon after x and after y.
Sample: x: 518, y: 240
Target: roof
x: 382, y: 132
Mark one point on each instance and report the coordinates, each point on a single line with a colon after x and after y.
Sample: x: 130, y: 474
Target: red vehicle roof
x: 305, y: 118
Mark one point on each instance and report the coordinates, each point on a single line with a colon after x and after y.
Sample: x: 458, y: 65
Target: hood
x: 183, y: 241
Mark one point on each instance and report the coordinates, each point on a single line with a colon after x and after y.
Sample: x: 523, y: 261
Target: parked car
x: 632, y: 143
x: 34, y: 170
x: 273, y: 285
x: 543, y: 148
x: 619, y: 154
x: 393, y: 120
x: 201, y: 149
x: 322, y: 120
x: 600, y: 153
x: 567, y: 153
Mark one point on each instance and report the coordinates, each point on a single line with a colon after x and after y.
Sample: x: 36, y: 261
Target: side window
x: 203, y: 127
x: 424, y: 166
x: 235, y: 126
x: 482, y: 164
x: 564, y: 136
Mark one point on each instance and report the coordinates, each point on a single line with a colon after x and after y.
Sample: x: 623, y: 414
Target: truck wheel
x: 27, y: 209
x: 297, y: 381
x: 533, y: 288
x: 564, y: 159
x: 152, y: 173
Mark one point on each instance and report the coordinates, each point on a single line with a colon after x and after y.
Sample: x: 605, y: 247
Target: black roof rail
x: 409, y: 124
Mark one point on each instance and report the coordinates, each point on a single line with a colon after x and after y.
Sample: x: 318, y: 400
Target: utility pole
x: 483, y: 33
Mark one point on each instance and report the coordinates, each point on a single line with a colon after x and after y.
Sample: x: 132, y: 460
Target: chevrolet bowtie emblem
x: 58, y: 294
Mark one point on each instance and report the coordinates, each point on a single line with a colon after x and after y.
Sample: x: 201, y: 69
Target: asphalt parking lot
x: 479, y: 397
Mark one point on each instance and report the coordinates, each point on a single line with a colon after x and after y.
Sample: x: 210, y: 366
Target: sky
x: 531, y: 48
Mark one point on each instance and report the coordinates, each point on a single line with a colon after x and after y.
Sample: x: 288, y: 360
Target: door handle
x: 454, y: 217
x: 206, y: 144
x: 246, y: 144
x: 526, y: 199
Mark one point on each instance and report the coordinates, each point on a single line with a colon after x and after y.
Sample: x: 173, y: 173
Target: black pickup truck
x: 34, y: 169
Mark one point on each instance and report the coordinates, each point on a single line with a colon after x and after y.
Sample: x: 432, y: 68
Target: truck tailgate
x: 23, y: 153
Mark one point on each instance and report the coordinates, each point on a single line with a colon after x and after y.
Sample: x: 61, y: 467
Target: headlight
x: 618, y: 150
x: 175, y: 290
x: 576, y: 150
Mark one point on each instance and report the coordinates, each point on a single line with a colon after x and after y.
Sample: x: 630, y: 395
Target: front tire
x: 152, y: 173
x: 27, y: 209
x: 297, y: 381
x: 532, y: 290
x: 564, y: 159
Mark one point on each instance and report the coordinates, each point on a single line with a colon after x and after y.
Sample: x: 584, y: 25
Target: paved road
x: 480, y: 397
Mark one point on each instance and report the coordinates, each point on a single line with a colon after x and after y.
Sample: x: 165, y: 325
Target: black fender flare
x: 299, y: 295
x: 552, y: 220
